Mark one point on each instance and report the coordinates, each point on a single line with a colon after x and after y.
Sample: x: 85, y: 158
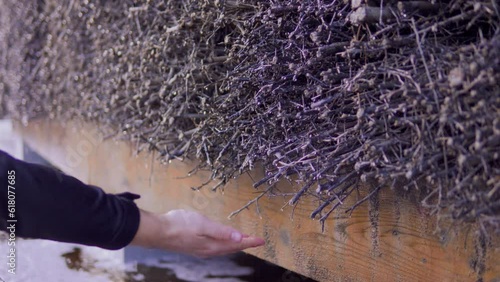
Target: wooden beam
x: 390, y: 238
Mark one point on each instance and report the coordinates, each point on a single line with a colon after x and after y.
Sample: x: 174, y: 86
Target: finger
x: 222, y: 232
x: 249, y: 242
x: 219, y: 248
x: 252, y: 242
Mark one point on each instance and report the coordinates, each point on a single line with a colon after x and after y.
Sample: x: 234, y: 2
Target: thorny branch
x: 316, y: 91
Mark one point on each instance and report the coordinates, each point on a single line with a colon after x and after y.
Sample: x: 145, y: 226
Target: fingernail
x: 259, y: 242
x: 236, y: 236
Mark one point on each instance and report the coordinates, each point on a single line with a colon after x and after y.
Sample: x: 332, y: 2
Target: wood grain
x: 386, y: 239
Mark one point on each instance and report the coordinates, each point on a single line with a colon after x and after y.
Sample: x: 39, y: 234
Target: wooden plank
x: 387, y: 239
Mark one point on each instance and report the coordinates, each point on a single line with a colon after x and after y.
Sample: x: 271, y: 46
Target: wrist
x: 166, y: 232
x: 150, y: 231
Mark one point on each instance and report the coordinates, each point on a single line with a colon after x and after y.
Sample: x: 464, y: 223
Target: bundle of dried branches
x: 404, y: 93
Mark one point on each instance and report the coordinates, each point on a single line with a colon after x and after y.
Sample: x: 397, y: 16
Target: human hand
x: 191, y: 233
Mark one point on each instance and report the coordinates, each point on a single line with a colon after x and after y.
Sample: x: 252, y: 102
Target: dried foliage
x: 403, y: 94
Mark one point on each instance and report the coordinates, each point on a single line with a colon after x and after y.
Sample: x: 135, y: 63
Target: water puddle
x: 42, y: 260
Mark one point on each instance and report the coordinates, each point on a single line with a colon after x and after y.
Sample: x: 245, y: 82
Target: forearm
x: 51, y: 205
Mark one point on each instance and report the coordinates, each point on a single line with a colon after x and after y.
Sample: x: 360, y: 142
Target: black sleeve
x: 54, y: 206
